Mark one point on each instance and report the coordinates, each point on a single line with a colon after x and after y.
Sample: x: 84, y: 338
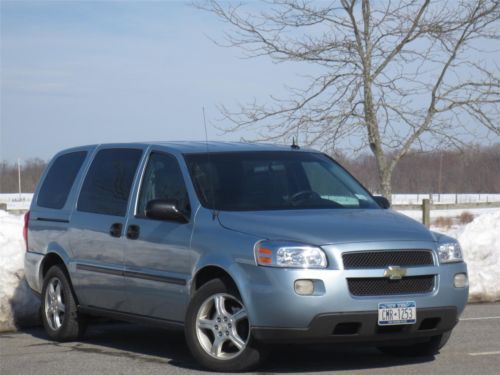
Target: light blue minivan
x: 242, y: 246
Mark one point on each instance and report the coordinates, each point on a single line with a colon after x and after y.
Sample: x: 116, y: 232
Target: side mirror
x: 165, y: 210
x: 382, y: 202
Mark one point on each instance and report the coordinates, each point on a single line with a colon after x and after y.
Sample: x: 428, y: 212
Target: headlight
x: 289, y: 255
x: 450, y: 252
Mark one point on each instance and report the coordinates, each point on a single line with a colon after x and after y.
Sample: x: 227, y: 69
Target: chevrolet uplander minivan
x: 242, y: 246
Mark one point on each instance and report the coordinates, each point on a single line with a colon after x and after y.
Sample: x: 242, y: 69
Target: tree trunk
x: 385, y: 184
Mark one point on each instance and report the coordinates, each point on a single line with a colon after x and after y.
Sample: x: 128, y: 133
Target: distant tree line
x: 473, y: 169
x: 30, y: 173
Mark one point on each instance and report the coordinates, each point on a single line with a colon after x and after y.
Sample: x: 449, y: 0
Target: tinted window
x: 162, y: 180
x: 253, y: 181
x: 107, y: 186
x: 59, y: 180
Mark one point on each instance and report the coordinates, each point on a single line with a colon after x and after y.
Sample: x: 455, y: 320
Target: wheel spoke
x: 205, y: 324
x: 52, y: 319
x: 240, y: 314
x: 236, y: 340
x: 52, y: 291
x: 57, y: 320
x: 217, y: 346
x: 219, y: 305
x: 58, y: 291
x: 60, y: 307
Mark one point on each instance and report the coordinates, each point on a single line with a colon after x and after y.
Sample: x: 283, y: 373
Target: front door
x: 158, y: 260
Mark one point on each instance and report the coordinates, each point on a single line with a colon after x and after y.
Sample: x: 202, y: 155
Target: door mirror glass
x: 159, y: 209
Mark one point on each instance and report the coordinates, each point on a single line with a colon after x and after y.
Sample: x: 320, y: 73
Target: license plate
x: 393, y: 313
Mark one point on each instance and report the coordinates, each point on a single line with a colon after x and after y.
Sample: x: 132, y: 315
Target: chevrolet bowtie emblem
x: 395, y: 272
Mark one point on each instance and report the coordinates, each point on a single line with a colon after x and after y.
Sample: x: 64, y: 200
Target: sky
x: 76, y: 73
x: 84, y: 72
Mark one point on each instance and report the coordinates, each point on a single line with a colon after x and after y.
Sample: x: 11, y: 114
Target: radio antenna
x: 210, y: 181
x: 205, y: 125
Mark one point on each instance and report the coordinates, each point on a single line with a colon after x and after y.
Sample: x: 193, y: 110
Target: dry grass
x: 443, y: 222
x: 465, y: 217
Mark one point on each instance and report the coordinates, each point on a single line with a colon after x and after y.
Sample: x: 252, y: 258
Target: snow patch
x: 480, y: 241
x: 18, y: 304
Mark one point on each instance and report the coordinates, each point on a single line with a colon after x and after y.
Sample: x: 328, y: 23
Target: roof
x: 189, y: 147
x: 193, y: 147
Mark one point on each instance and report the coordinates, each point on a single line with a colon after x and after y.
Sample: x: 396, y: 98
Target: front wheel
x: 218, y: 331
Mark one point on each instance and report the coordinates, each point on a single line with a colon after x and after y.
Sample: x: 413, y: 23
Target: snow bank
x: 18, y: 305
x: 480, y: 242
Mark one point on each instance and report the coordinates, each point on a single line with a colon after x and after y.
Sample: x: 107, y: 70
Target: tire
x: 218, y: 331
x: 423, y: 349
x: 60, y: 316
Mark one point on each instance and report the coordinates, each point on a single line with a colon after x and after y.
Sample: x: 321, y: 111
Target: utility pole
x: 19, y: 176
x: 440, y: 173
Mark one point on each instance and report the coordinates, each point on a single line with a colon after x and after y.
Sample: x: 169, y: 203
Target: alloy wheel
x: 222, y: 326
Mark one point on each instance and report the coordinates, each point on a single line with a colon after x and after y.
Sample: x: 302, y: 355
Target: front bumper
x: 362, y: 327
x: 271, y: 301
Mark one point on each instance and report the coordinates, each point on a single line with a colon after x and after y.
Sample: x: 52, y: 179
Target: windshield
x: 275, y: 180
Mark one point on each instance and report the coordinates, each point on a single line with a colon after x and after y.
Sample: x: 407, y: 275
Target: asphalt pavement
x: 120, y: 348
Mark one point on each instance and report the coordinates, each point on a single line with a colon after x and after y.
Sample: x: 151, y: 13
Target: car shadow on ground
x: 161, y: 346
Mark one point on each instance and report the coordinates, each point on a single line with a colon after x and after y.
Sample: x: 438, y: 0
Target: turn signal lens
x: 264, y: 256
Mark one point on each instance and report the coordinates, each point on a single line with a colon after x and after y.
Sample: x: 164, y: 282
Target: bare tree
x: 391, y: 75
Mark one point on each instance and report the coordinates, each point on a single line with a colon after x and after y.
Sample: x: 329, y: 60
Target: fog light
x: 304, y: 287
x: 460, y: 280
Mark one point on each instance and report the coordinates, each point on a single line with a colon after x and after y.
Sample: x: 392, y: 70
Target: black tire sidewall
x: 251, y: 356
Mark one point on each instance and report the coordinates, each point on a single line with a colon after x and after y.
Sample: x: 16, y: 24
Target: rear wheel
x: 428, y: 348
x: 59, y: 310
x: 217, y: 329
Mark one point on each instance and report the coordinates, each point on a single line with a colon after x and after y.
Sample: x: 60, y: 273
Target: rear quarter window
x: 107, y: 186
x: 59, y: 180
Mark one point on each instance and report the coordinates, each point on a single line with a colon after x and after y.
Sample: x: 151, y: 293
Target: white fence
x: 16, y: 201
x: 444, y: 198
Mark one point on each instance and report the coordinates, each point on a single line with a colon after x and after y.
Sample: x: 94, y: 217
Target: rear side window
x: 106, y: 188
x: 59, y: 180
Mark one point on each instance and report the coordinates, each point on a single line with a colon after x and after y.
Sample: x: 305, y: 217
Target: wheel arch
x: 212, y: 272
x: 53, y: 258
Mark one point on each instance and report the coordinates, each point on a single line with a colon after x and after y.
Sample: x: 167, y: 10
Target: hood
x: 325, y: 226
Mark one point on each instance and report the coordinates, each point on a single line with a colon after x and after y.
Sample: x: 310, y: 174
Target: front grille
x: 378, y: 286
x: 383, y: 259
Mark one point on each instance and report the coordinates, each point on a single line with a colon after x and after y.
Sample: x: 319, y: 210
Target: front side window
x: 59, y: 180
x: 162, y: 180
x: 106, y: 188
x: 274, y: 180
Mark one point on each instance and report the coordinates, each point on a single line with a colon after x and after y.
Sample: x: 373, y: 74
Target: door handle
x: 115, y: 230
x: 133, y: 232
